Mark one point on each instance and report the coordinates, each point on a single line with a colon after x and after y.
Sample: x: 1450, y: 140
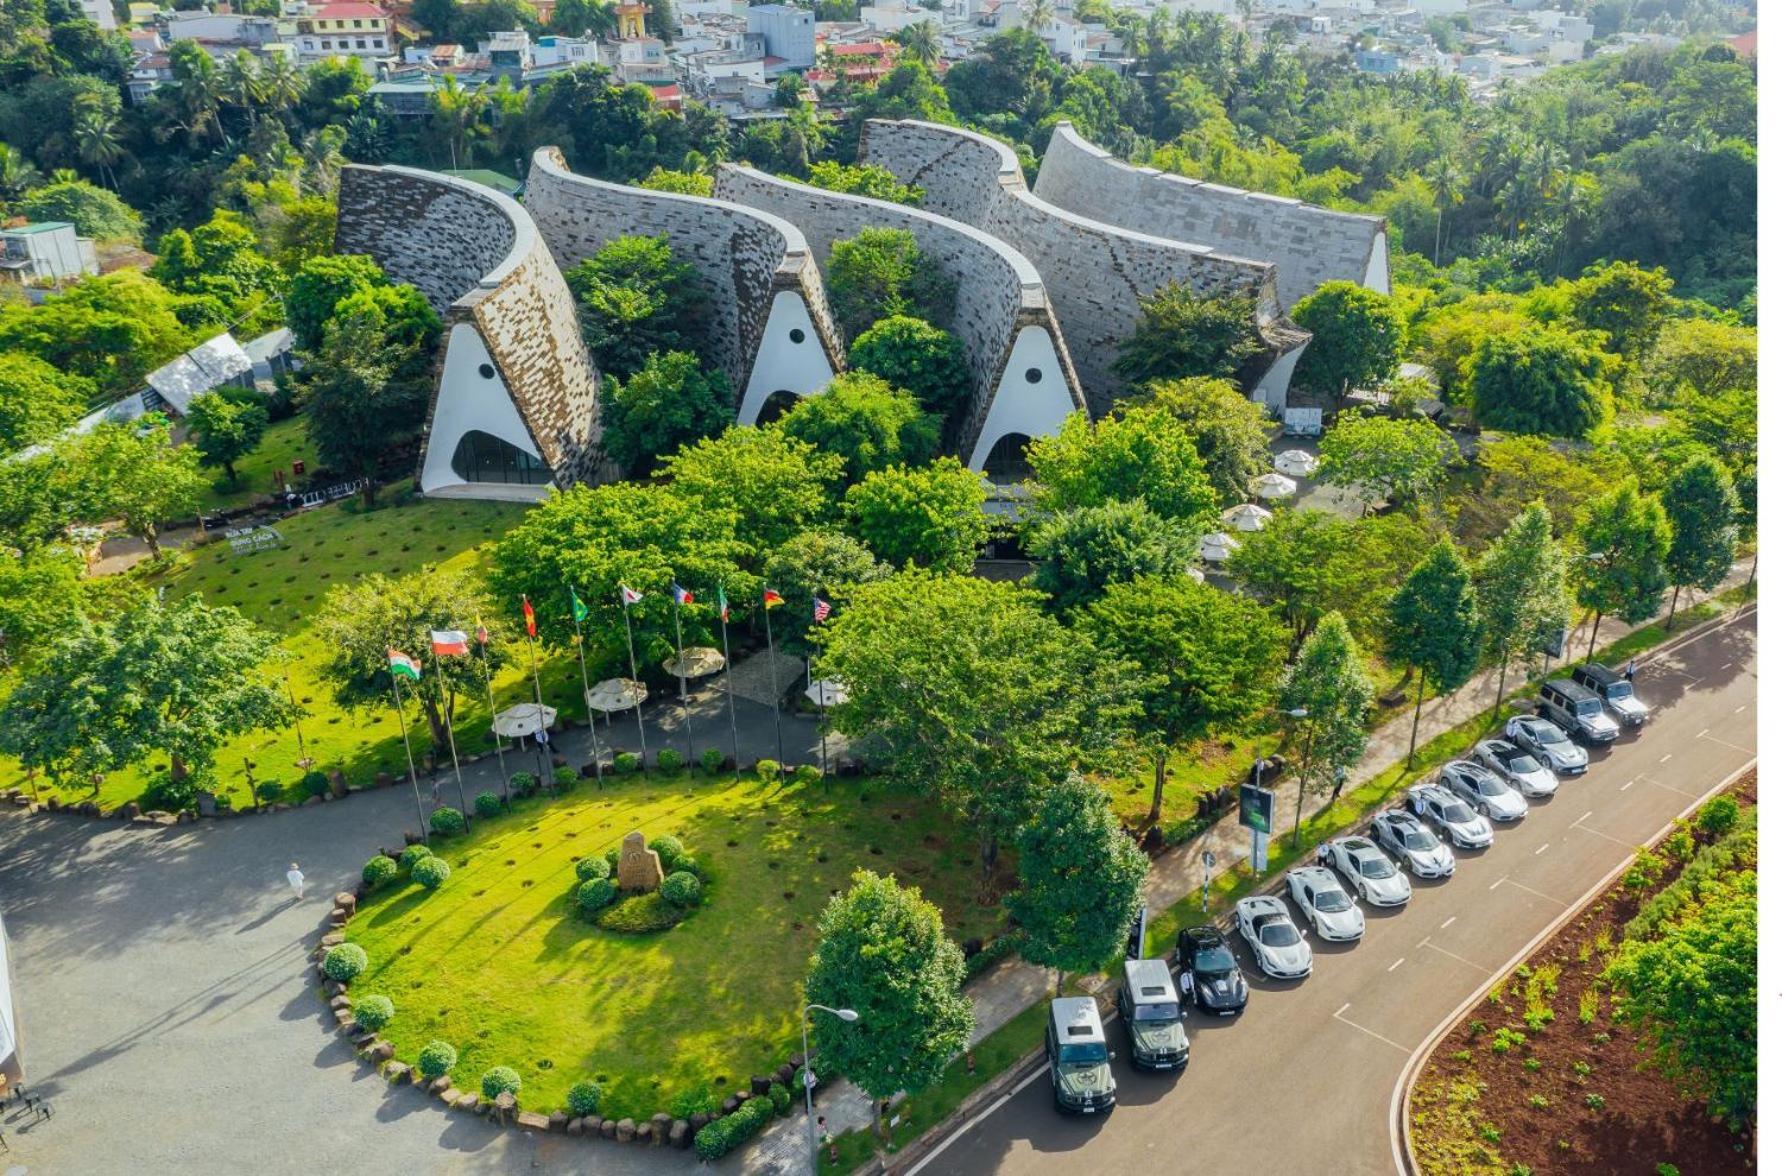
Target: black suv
x: 1210, y: 976
x: 1616, y: 692
x: 1578, y: 712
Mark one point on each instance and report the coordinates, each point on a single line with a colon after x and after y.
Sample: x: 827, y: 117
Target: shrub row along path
x: 1012, y: 986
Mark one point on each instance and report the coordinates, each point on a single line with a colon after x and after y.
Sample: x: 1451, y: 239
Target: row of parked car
x: 1458, y: 808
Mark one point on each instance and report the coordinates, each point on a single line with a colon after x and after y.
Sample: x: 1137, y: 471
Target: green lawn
x: 497, y: 962
x: 283, y: 443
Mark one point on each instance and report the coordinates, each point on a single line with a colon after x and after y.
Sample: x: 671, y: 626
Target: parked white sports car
x: 1325, y: 904
x: 1281, y: 951
x: 1452, y: 817
x: 1519, y: 769
x: 1409, y: 840
x: 1480, y: 787
x: 1371, y: 872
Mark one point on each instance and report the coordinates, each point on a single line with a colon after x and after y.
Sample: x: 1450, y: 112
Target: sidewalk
x: 1013, y: 985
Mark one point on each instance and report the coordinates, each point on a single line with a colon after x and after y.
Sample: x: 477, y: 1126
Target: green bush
x: 722, y: 1136
x: 436, y: 1058
x: 523, y: 783
x: 590, y: 868
x: 670, y: 850
x: 379, y: 871
x: 681, y: 889
x: 269, y: 791
x: 499, y: 1080
x: 767, y: 771
x: 669, y: 760
x: 695, y: 1100
x: 564, y: 778
x: 315, y: 783
x: 627, y: 762
x: 414, y: 853
x: 344, y: 961
x: 806, y: 774
x: 780, y: 1097
x: 712, y: 760
x: 1716, y: 819
x: 584, y: 1099
x: 431, y: 872
x: 488, y: 804
x: 447, y: 822
x: 373, y: 1012
x: 612, y: 859
x: 595, y: 894
x: 640, y: 913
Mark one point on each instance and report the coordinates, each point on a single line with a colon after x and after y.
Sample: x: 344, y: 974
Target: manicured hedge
x: 722, y: 1136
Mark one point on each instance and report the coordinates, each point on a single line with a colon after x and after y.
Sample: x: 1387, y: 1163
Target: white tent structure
x: 1296, y: 463
x: 617, y: 694
x: 1274, y: 486
x: 1218, y: 547
x: 1247, y: 517
x: 524, y: 719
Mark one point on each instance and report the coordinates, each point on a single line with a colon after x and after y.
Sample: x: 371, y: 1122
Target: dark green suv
x: 1077, y: 1051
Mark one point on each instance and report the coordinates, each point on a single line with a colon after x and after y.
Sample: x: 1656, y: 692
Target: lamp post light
x: 1299, y: 714
x: 810, y: 1078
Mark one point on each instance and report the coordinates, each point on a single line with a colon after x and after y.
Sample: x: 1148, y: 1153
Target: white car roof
x: 1261, y: 904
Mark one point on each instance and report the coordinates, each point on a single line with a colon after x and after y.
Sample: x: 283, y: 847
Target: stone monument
x: 640, y: 868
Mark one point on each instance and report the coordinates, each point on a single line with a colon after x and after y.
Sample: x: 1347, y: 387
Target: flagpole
x: 643, y: 745
x: 724, y: 629
x: 680, y: 657
x: 582, y: 658
x: 304, y: 759
x: 489, y: 685
x: 544, y: 762
x: 414, y: 781
x: 773, y: 669
x: 451, y: 738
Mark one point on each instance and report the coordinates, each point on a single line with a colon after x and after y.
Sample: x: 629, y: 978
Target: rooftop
x: 348, y: 10
x: 38, y: 227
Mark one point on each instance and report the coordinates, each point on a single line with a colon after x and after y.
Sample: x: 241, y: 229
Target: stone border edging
x: 1398, y: 1114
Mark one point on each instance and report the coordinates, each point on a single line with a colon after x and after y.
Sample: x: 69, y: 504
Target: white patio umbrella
x: 1296, y: 463
x: 699, y: 661
x: 827, y: 692
x: 524, y: 719
x: 1218, y: 547
x: 1247, y: 517
x: 1274, y: 486
x: 617, y: 694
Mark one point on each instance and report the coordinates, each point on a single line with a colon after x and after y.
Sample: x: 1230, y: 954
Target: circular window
x: 1033, y: 375
x: 486, y: 370
x: 797, y: 335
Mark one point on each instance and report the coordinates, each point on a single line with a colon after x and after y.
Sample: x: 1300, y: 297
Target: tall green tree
x: 1627, y: 303
x: 1624, y: 539
x: 865, y: 422
x: 1082, y: 551
x: 670, y: 401
x: 928, y: 516
x: 1140, y: 453
x: 882, y: 272
x: 1358, y: 338
x: 1230, y: 431
x: 1523, y: 598
x: 883, y: 953
x: 1398, y: 461
x: 1702, y: 508
x: 36, y: 400
x: 1082, y: 881
x: 637, y: 298
x: 1540, y: 381
x: 226, y: 426
x: 321, y: 284
x: 1202, y: 659
x: 94, y: 211
x: 1434, y: 626
x: 912, y: 354
x: 135, y: 474
x: 1329, y: 683
x: 1182, y: 334
x: 773, y: 484
x: 812, y: 564
x: 360, y: 395
x: 1307, y: 563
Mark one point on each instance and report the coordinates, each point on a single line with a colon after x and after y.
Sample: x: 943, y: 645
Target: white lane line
x: 1604, y: 836
x: 1530, y: 889
x: 1739, y: 710
x: 1588, y: 813
x: 1497, y: 883
x: 1393, y: 968
x: 1543, y: 849
x: 1665, y: 758
x: 1446, y: 921
x: 1727, y: 666
x: 1339, y: 1016
x: 978, y: 1118
x: 1700, y: 734
x: 1666, y: 787
x: 1451, y: 955
x: 1724, y: 743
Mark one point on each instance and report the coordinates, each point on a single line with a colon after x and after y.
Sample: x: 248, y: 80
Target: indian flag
x: 404, y: 666
x: 448, y: 642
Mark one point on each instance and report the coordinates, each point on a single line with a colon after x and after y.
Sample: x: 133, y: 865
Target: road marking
x: 1588, y: 813
x: 1393, y: 968
x: 1520, y: 886
x: 1351, y: 1024
x: 1543, y: 849
x: 1724, y: 743
x: 1739, y: 710
x: 1600, y: 833
x: 1661, y: 784
x: 1701, y: 733
x: 1446, y: 921
x: 978, y: 1118
x: 1497, y: 883
x: 1665, y: 758
x: 1727, y: 666
x: 1629, y: 784
x: 1451, y: 955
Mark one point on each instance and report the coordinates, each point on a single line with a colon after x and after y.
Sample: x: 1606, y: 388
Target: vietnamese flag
x: 531, y: 620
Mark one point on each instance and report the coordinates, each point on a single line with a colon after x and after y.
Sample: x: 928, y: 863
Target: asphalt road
x: 1302, y: 1081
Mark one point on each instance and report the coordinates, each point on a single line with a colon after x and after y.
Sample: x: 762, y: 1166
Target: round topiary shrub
x: 767, y: 771
x: 414, y: 853
x: 680, y: 888
x: 806, y: 774
x: 344, y: 961
x: 315, y: 783
x: 669, y: 760
x: 627, y: 762
x: 590, y: 868
x: 378, y: 872
x: 499, y: 1080
x: 488, y: 804
x: 780, y: 1097
x: 564, y: 778
x: 447, y: 822
x: 436, y: 1058
x: 584, y: 1099
x: 523, y: 783
x: 712, y: 760
x: 269, y: 791
x: 430, y: 872
x: 373, y: 1012
x: 670, y: 850
x: 595, y: 894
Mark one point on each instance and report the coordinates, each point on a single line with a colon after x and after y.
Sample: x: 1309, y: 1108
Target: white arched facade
x: 1032, y: 396
x: 473, y: 397
x: 789, y: 359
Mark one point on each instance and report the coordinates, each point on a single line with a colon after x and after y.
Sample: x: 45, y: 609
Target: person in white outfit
x: 295, y: 877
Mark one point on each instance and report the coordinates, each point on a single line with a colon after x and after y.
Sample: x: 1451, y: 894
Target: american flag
x: 819, y: 609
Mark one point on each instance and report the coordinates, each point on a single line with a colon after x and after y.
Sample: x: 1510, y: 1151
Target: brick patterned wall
x: 1096, y: 273
x: 744, y: 257
x: 999, y: 291
x: 1308, y: 245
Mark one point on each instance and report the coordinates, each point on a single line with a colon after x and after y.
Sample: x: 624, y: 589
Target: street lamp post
x: 1299, y: 714
x: 810, y: 1078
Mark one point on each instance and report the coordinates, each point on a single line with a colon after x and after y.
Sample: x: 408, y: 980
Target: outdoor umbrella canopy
x: 1218, y: 547
x: 523, y: 719
x: 1296, y: 463
x: 698, y: 662
x: 617, y: 694
x: 1247, y: 517
x: 1274, y: 486
x: 827, y: 692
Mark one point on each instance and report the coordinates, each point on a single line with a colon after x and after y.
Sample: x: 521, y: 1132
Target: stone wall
x: 1000, y: 293
x: 744, y: 257
x: 1095, y: 273
x: 1308, y: 245
x: 477, y: 257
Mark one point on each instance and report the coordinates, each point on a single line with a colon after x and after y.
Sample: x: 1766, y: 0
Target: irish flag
x: 449, y: 642
x: 404, y: 666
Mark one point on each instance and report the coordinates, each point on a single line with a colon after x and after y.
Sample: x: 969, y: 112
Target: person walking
x: 1632, y: 668
x: 295, y: 877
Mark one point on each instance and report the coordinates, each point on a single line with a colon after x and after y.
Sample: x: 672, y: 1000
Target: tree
x: 134, y: 473
x: 1700, y: 355
x: 360, y: 623
x: 319, y: 286
x: 1081, y: 551
x: 922, y: 359
x: 864, y: 179
x: 1230, y: 431
x: 96, y: 141
x: 358, y: 399
x: 881, y: 272
x: 1523, y: 599
x: 668, y: 402
x: 1082, y: 881
x: 1519, y: 470
x: 966, y: 690
x: 1140, y: 453
x: 113, y: 329
x: 1181, y: 334
x: 227, y: 425
x: 175, y: 680
x: 36, y: 400
x: 1307, y: 563
x: 1625, y: 539
x: 813, y: 564
x: 1329, y: 683
x: 221, y: 258
x: 1702, y: 508
x: 1540, y: 381
x: 1398, y: 461
x: 1358, y: 337
x: 772, y: 483
x: 866, y: 422
x: 95, y: 212
x: 1204, y: 659
x: 684, y: 183
x: 579, y: 18
x: 1434, y: 626
x: 1625, y: 302
x: 40, y: 593
x: 637, y: 298
x: 882, y: 952
x: 928, y: 516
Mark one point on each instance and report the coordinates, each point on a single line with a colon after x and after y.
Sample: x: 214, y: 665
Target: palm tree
x: 1446, y: 183
x: 283, y: 84
x: 457, y: 113
x: 1039, y: 15
x: 16, y: 172
x: 96, y: 141
x: 241, y: 84
x: 921, y: 42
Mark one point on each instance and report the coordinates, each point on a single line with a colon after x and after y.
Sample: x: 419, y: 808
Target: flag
x: 627, y: 596
x: 482, y: 632
x: 772, y: 599
x: 577, y: 610
x: 403, y: 666
x: 447, y: 642
x: 723, y: 605
x: 819, y: 609
x: 531, y: 620
x: 681, y: 595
